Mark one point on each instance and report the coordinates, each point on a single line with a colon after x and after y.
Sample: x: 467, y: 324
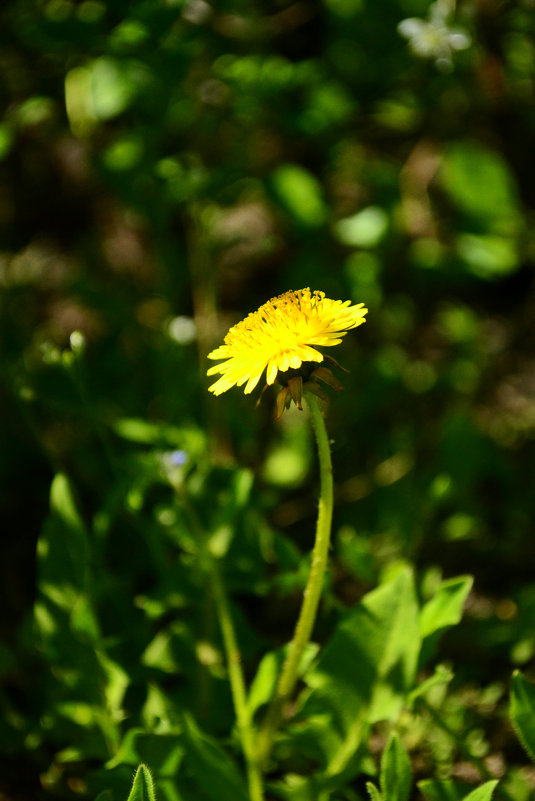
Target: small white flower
x: 434, y: 37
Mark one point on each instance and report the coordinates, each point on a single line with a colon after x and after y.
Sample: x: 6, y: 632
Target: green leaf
x: 62, y: 501
x: 64, y: 569
x: 396, y: 776
x: 433, y: 790
x: 480, y: 182
x: 374, y: 793
x: 367, y: 669
x: 446, y: 607
x: 523, y: 712
x: 263, y: 684
x: 301, y: 193
x: 211, y: 767
x: 483, y: 793
x: 143, y: 787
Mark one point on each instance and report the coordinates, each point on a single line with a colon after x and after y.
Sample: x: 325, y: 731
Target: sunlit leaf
x: 300, y: 192
x: 63, y: 548
x: 396, y: 776
x: 483, y: 793
x: 445, y: 608
x: 268, y: 672
x: 143, y: 786
x: 433, y: 790
x: 368, y: 667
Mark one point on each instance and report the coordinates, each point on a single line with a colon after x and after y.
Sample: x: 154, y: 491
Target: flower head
x: 435, y: 37
x: 280, y: 337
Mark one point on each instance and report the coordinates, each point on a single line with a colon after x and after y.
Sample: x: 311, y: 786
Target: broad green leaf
x: 301, y: 193
x: 446, y: 607
x: 483, y: 793
x: 211, y: 767
x: 143, y: 787
x: 523, y: 712
x: 367, y: 669
x: 481, y: 184
x: 374, y: 793
x: 396, y: 776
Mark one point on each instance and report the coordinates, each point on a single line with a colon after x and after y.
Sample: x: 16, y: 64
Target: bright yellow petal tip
x: 284, y: 332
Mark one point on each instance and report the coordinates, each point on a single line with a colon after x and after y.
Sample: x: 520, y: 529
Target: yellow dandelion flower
x: 282, y: 335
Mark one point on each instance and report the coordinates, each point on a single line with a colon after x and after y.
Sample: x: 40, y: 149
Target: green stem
x: 233, y: 658
x: 237, y: 685
x: 312, y: 593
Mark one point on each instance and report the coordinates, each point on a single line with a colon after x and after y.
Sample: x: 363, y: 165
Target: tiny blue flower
x: 178, y: 458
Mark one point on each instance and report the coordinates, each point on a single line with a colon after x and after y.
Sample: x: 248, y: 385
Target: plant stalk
x: 233, y: 659
x: 311, y: 597
x: 237, y: 685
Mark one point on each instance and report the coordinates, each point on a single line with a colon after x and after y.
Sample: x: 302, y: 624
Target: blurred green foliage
x: 166, y: 168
